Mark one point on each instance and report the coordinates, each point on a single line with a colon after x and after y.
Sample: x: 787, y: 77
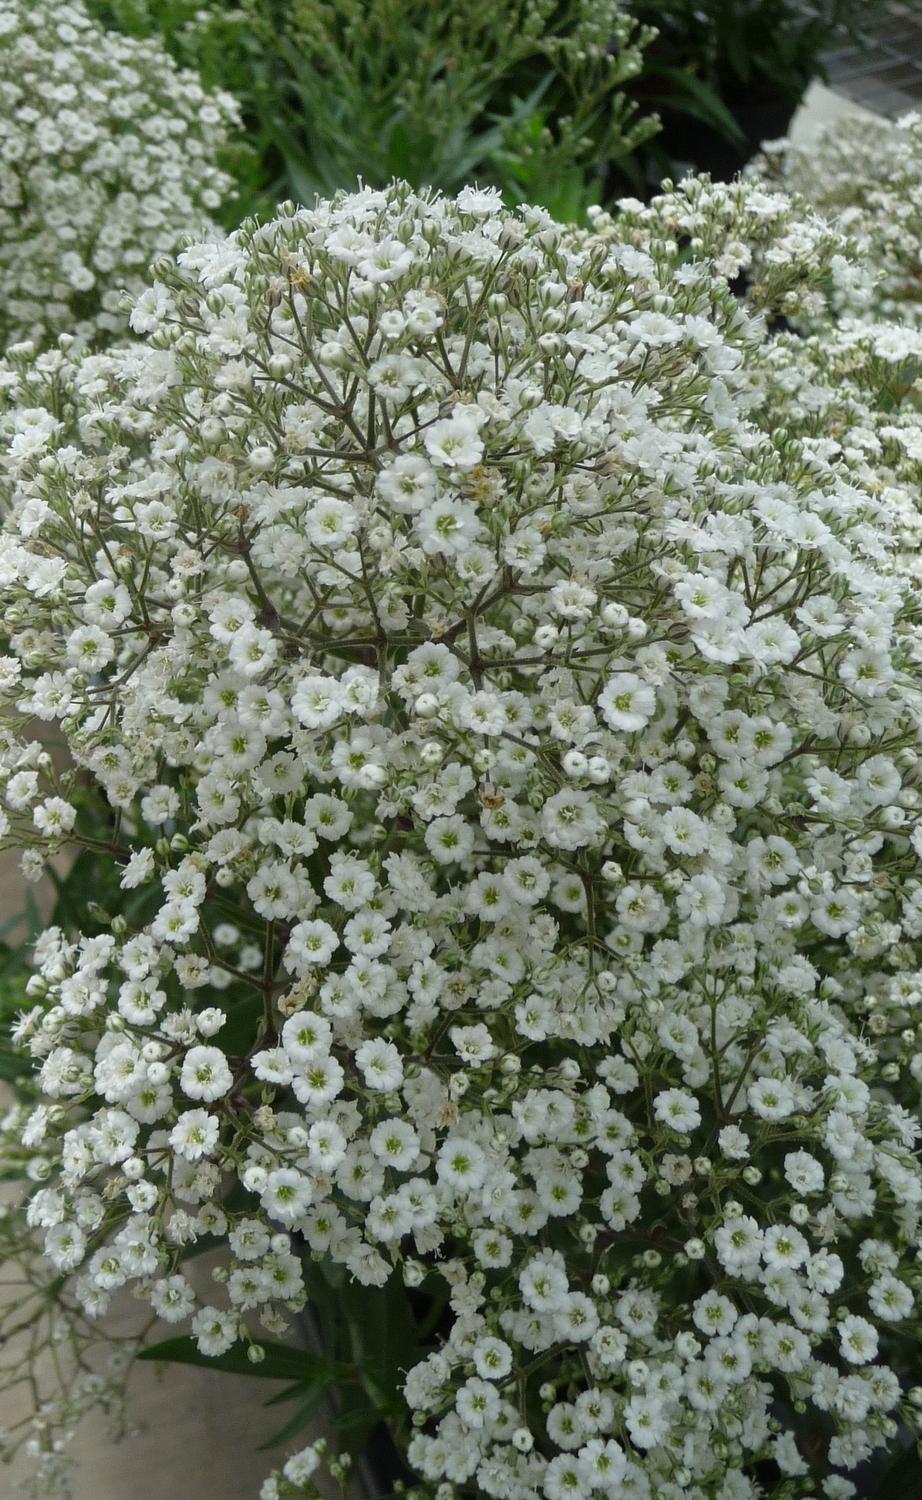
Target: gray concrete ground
x: 821, y: 106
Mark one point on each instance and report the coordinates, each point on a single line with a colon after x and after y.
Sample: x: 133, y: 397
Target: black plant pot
x: 381, y: 1468
x: 378, y: 1466
x: 694, y: 145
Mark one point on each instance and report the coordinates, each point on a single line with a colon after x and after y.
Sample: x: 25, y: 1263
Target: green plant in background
x: 14, y: 974
x: 751, y: 47
x: 527, y: 96
x: 727, y: 74
x: 553, y: 101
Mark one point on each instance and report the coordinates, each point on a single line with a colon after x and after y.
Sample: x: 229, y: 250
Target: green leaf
x: 13, y: 1066
x: 290, y: 1393
x: 385, y: 1342
x: 300, y: 1418
x: 355, y: 1420
x: 281, y: 1362
x: 201, y: 1246
x: 702, y: 103
x: 244, y: 1013
x: 360, y: 1418
x: 899, y: 1477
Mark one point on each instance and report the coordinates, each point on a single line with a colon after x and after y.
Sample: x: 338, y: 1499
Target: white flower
x: 299, y: 1468
x: 480, y: 202
x: 890, y: 1299
x: 311, y: 943
x: 683, y: 831
x: 739, y: 1243
x: 771, y: 1098
x: 138, y: 869
x: 492, y: 1358
x: 396, y: 1143
x: 714, y: 1314
x: 65, y: 1246
x: 627, y: 702
x: 306, y: 1036
x: 677, y: 1109
x: 287, y: 1195
x: 205, y: 1074
x: 857, y: 1340
x: 381, y: 1065
x: 461, y: 1164
x: 215, y: 1331
x: 447, y: 526
x: 783, y: 1245
x: 454, y: 442
x: 477, y: 1403
x: 571, y: 820
x: 386, y: 261
x: 449, y: 839
x: 172, y: 1299
x: 195, y: 1134
x: 803, y: 1172
x: 528, y: 785
x: 317, y: 1082
x: 54, y: 816
x: 316, y: 702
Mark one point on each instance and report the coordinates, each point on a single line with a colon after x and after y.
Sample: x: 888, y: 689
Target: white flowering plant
x: 852, y: 391
x: 785, y: 260
x: 109, y: 156
x: 505, y: 741
x: 865, y: 174
x: 56, y: 1364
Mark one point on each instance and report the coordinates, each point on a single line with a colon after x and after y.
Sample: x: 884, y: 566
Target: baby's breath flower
x: 865, y: 173
x: 514, y: 749
x: 109, y: 158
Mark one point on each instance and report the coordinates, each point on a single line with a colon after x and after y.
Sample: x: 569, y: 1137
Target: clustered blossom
x: 56, y: 1365
x: 509, y: 736
x: 849, y: 391
x: 108, y: 157
x: 865, y: 174
x: 296, y: 1476
x: 789, y: 261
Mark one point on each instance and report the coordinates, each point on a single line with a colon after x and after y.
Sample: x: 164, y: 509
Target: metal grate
x: 881, y: 68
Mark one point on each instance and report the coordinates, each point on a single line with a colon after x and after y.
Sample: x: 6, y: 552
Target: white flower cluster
x: 296, y: 1476
x: 55, y: 1365
x: 865, y: 174
x: 510, y: 739
x: 851, y: 391
x: 108, y: 156
x: 790, y: 262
